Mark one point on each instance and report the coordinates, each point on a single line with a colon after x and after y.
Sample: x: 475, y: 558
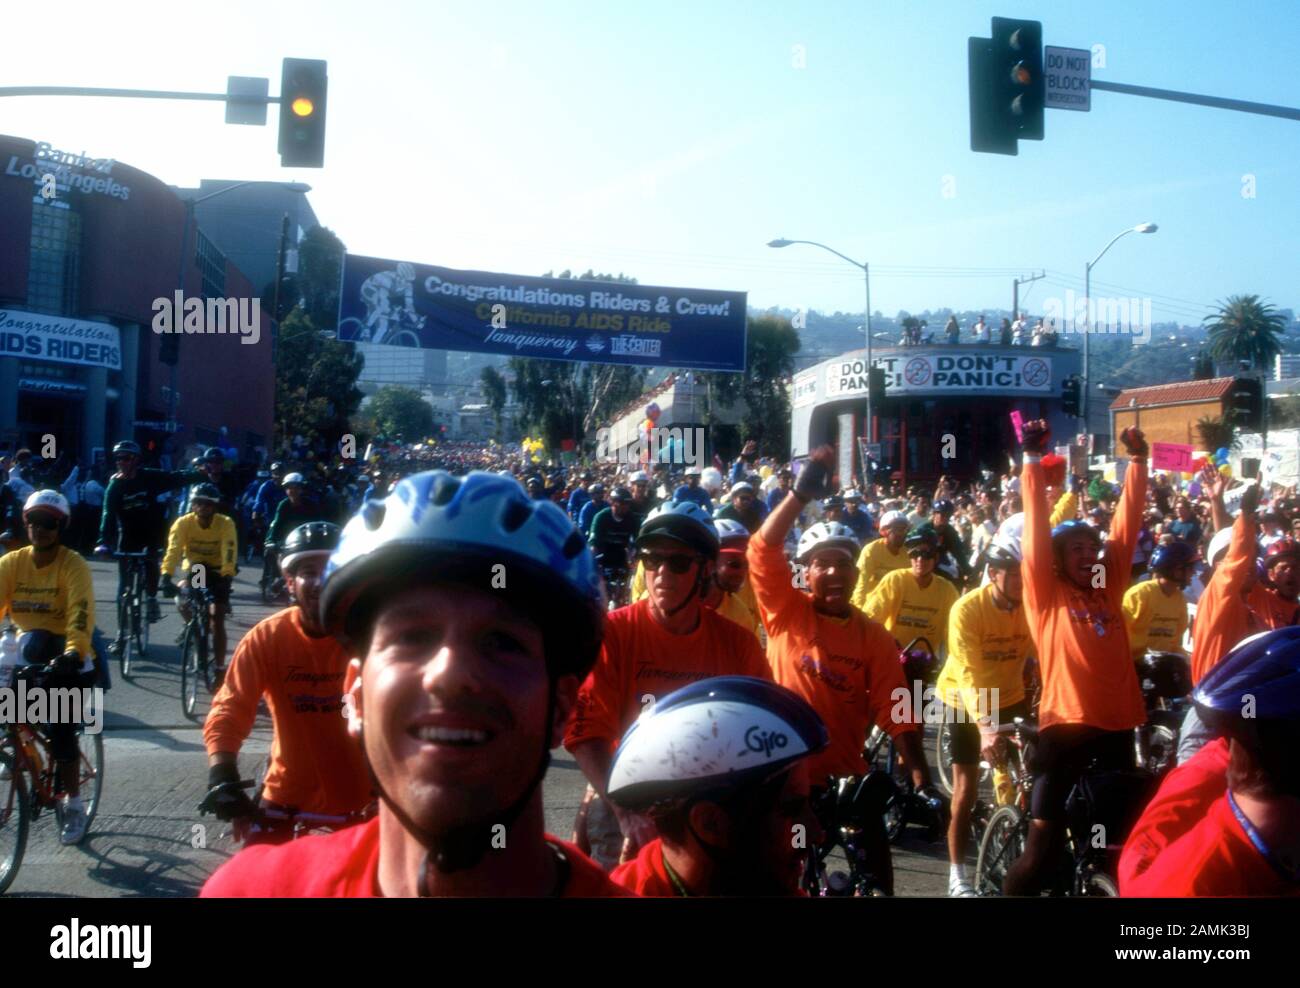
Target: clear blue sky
x: 671, y: 140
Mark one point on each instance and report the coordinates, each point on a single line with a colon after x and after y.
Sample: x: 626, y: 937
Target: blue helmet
x: 436, y: 526
x: 1253, y: 694
x: 685, y: 522
x: 712, y: 736
x: 1074, y: 526
x: 1171, y: 555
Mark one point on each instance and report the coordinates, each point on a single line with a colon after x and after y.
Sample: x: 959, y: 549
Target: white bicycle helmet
x: 684, y: 521
x: 293, y: 478
x: 638, y: 477
x: 1004, y: 551
x: 827, y: 535
x: 436, y: 525
x: 51, y: 501
x: 731, y: 533
x: 1218, y: 545
x: 714, y: 735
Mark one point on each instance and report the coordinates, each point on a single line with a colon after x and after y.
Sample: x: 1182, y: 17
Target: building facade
x: 87, y: 249
x: 946, y: 408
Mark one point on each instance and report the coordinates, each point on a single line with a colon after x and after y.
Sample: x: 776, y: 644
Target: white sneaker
x: 5, y: 774
x: 960, y: 888
x: 74, y: 823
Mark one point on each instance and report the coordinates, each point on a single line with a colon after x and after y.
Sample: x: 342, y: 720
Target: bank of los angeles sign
x: 939, y: 373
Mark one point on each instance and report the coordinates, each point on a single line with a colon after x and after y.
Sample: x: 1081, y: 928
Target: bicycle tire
x: 205, y: 650
x: 91, y: 773
x: 1158, y: 748
x: 1097, y: 884
x: 142, y: 621
x: 1003, y: 842
x: 15, y: 819
x: 124, y: 635
x: 189, y: 673
x: 943, y: 755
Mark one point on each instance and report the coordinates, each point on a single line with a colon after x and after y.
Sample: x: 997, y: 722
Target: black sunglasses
x: 677, y: 563
x: 42, y: 522
x: 921, y: 554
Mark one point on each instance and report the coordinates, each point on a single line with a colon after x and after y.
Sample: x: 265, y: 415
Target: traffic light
x: 1071, y: 395
x: 302, y: 113
x: 876, y: 383
x: 1246, y: 404
x: 1007, y: 86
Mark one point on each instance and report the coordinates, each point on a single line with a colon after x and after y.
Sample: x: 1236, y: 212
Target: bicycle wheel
x: 1157, y: 748
x: 205, y: 654
x: 190, y: 673
x: 141, y: 624
x: 1004, y: 842
x: 15, y: 814
x: 126, y: 636
x: 943, y: 755
x: 90, y: 772
x: 1097, y: 884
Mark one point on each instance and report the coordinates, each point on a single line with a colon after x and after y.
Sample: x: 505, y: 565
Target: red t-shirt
x: 1189, y: 841
x: 646, y: 874
x: 345, y: 864
x: 639, y: 659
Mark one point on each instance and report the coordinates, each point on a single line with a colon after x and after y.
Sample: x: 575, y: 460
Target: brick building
x: 1168, y: 413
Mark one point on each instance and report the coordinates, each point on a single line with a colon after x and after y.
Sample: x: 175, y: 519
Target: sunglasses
x: 42, y: 522
x: 921, y: 554
x: 677, y: 563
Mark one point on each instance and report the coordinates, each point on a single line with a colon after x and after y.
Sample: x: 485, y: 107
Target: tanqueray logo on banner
x: 420, y: 305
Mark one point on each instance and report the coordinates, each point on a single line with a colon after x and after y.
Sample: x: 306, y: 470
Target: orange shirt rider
x: 1079, y: 634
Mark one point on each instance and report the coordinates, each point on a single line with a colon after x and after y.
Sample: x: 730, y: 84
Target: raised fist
x: 1034, y: 435
x: 1134, y: 441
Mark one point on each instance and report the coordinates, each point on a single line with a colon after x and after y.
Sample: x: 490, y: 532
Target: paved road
x: 148, y: 839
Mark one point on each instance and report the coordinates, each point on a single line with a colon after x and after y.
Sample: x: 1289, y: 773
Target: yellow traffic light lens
x: 302, y: 107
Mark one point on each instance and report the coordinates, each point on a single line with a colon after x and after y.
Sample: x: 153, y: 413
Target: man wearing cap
x: 858, y: 520
x: 743, y: 507
x: 537, y: 488
x: 643, y: 500
x: 296, y: 509
x: 596, y: 503
x: 882, y: 555
x: 949, y: 541
x: 579, y: 497
x: 692, y: 491
x: 784, y: 483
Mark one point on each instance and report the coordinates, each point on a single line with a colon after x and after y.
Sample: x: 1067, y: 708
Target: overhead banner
x: 938, y: 372
x: 400, y: 303
x: 64, y: 341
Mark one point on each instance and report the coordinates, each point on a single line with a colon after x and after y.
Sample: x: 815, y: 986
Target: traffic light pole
x: 127, y: 93
x: 1219, y: 102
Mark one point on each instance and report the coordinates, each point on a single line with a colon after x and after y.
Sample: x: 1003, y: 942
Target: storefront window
x: 55, y: 259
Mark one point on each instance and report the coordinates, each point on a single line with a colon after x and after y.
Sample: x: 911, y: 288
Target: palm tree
x: 1244, y: 328
x: 1216, y: 433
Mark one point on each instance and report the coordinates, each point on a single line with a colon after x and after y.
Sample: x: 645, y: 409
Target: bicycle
x: 846, y: 808
x: 132, y: 622
x: 1166, y: 680
x: 1103, y: 803
x: 195, y: 651
x: 943, y: 737
x: 272, y: 583
x: 30, y: 781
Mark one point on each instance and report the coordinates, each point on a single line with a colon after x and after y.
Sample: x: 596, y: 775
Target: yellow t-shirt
x: 58, y: 598
x: 190, y: 544
x: 1156, y: 621
x: 733, y: 607
x: 987, y: 649
x: 874, y: 561
x: 906, y: 610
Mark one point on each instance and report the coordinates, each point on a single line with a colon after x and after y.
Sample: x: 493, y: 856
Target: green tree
x: 1216, y: 432
x: 1202, y: 367
x: 320, y: 266
x: 770, y: 347
x: 494, y: 389
x: 316, y: 389
x: 400, y: 413
x: 561, y: 399
x: 1244, y: 328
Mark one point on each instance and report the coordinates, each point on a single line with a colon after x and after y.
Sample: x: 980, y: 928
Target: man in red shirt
x: 290, y: 660
x: 731, y: 805
x: 472, y: 615
x: 651, y: 648
x: 1227, y: 822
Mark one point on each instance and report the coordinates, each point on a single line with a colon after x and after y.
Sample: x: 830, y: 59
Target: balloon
x: 765, y: 471
x: 652, y: 412
x: 1226, y: 470
x: 648, y: 424
x: 1221, y: 453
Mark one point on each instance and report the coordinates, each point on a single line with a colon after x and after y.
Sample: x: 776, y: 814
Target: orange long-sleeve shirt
x: 1223, y: 616
x: 846, y: 668
x: 315, y: 766
x: 639, y: 660
x: 1079, y: 635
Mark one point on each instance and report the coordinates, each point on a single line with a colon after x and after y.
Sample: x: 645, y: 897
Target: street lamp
x: 1087, y: 298
x: 866, y: 274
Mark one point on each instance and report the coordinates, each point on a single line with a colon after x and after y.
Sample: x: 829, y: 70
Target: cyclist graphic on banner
x: 390, y: 307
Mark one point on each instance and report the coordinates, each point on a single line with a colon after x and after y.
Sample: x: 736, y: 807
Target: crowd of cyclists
x: 714, y: 647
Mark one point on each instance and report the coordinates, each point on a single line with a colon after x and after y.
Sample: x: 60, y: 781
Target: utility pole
x: 1015, y: 292
x: 279, y: 277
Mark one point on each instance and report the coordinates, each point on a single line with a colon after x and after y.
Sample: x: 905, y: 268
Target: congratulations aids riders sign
x: 400, y: 303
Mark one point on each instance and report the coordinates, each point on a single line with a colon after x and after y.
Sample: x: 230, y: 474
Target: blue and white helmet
x: 436, y: 526
x: 684, y: 521
x: 715, y: 734
x: 731, y: 533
